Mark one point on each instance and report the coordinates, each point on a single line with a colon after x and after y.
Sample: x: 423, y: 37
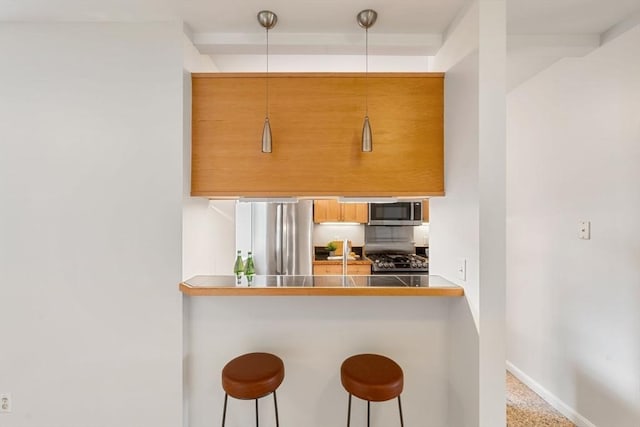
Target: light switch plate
x: 5, y: 402
x: 584, y: 230
x: 462, y: 269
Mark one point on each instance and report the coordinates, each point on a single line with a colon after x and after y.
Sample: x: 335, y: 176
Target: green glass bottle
x: 249, y: 268
x: 238, y: 267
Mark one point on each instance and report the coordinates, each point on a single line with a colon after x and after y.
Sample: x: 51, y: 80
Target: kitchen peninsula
x: 313, y: 329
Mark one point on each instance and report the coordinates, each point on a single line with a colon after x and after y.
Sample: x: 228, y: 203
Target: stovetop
x: 398, y: 263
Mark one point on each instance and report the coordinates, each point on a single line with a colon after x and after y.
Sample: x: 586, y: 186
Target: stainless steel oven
x: 398, y: 213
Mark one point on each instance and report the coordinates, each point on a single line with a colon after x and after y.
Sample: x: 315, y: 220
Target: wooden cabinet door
x: 425, y: 210
x: 329, y: 269
x: 355, y: 212
x: 359, y: 269
x: 316, y: 120
x: 332, y: 211
x: 326, y: 211
x: 336, y: 269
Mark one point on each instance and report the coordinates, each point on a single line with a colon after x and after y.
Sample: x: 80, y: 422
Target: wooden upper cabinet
x: 333, y: 211
x: 326, y: 211
x: 355, y: 212
x: 316, y: 123
x: 425, y: 210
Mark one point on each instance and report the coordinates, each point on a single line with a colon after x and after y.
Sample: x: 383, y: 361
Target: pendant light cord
x: 267, y: 76
x: 366, y: 72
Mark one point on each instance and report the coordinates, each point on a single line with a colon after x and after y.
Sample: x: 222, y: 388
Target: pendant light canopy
x: 267, y: 20
x: 366, y: 18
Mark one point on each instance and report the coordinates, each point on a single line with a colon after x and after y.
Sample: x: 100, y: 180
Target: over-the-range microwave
x: 397, y: 213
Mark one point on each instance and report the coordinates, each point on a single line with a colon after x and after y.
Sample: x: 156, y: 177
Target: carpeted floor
x: 526, y: 409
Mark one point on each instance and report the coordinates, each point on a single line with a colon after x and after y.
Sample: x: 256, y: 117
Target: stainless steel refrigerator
x: 280, y: 236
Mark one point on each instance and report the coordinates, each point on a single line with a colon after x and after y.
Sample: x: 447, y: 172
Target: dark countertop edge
x: 362, y: 261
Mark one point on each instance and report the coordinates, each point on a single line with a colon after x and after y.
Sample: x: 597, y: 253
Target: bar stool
x: 252, y: 376
x: 373, y: 378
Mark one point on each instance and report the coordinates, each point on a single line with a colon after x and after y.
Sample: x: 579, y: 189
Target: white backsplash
x: 421, y: 235
x: 324, y: 233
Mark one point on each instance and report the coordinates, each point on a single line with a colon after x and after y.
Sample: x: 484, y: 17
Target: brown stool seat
x: 252, y: 375
x: 372, y: 377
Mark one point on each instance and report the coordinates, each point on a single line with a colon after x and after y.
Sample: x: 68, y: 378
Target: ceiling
x: 567, y: 16
x: 324, y: 16
x: 541, y: 30
x: 327, y: 16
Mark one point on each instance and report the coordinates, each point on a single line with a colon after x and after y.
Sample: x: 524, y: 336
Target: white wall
x: 492, y: 64
x: 208, y: 238
x: 421, y: 234
x: 208, y: 227
x: 313, y: 335
x: 193, y: 61
x: 321, y: 63
x: 454, y: 234
x: 574, y: 151
x: 325, y: 233
x: 453, y: 219
x: 468, y: 225
x: 90, y: 177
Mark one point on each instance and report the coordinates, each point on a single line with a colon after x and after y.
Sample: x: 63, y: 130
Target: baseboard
x: 550, y: 398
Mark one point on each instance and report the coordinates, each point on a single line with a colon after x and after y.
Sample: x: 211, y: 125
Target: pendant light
x: 366, y: 19
x: 267, y: 20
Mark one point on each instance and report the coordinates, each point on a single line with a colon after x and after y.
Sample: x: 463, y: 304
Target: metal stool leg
x: 368, y: 413
x: 275, y: 403
x: 257, y: 422
x: 349, y: 412
x: 224, y: 411
x: 400, y: 408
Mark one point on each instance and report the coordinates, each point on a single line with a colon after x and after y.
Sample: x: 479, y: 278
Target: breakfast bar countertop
x: 374, y: 285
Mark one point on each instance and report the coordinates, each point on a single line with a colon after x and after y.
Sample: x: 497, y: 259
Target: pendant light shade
x: 266, y: 136
x: 366, y: 18
x: 366, y: 136
x: 267, y: 20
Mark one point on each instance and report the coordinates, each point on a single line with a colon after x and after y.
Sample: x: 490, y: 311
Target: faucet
x: 345, y: 260
x: 345, y: 256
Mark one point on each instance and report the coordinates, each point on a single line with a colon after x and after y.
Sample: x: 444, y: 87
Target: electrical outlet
x: 462, y: 269
x: 5, y: 403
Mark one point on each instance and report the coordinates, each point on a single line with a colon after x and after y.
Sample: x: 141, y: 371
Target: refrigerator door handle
x: 279, y: 238
x: 289, y: 234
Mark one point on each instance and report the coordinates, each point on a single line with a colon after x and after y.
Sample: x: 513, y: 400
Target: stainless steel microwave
x: 398, y: 213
